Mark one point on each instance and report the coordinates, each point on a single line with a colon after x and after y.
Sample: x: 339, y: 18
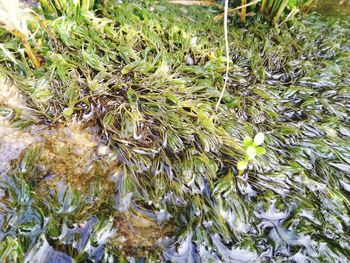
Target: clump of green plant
x: 67, y: 7
x: 11, y: 19
x: 272, y: 9
x: 252, y: 149
x: 275, y: 8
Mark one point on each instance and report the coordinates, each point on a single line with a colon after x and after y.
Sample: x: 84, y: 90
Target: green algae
x: 125, y: 70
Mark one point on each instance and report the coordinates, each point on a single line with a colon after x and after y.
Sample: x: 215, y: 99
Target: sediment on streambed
x: 113, y: 150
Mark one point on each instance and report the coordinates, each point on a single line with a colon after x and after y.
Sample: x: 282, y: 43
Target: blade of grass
x: 281, y: 8
x: 270, y: 6
x: 263, y: 6
x: 8, y: 54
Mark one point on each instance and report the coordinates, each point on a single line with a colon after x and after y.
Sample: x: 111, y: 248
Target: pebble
x: 189, y: 60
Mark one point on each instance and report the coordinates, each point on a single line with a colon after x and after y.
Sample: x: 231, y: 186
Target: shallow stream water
x: 145, y: 174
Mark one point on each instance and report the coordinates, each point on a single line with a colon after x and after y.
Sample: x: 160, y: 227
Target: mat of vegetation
x: 146, y: 78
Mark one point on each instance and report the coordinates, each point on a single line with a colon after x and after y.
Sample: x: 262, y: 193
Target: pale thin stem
x: 227, y: 55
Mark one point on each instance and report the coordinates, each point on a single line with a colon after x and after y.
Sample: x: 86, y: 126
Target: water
x: 149, y: 172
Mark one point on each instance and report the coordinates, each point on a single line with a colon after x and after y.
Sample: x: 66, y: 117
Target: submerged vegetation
x: 126, y: 158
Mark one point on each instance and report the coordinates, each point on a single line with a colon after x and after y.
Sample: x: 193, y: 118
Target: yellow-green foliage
x: 272, y: 9
x: 67, y: 7
x: 14, y: 22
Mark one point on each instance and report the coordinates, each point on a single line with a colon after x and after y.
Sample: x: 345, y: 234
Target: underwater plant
x: 252, y: 149
x: 145, y: 78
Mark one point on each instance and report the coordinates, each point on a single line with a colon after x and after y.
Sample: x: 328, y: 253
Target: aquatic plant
x: 252, y: 150
x: 47, y: 229
x: 147, y: 78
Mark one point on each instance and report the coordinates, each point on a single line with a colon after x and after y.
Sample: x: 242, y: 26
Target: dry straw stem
x: 233, y: 10
x: 243, y: 15
x: 27, y: 47
x: 244, y: 11
x: 11, y: 20
x: 280, y: 11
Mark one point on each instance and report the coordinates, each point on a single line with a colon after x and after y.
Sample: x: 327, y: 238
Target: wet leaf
x: 251, y: 152
x: 342, y: 167
x: 259, y: 138
x: 242, y: 165
x: 67, y: 112
x: 260, y: 150
x: 248, y: 141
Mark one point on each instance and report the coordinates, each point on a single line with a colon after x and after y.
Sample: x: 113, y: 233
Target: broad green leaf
x: 205, y: 120
x: 140, y: 66
x: 67, y: 112
x: 260, y: 150
x: 171, y: 98
x: 247, y: 141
